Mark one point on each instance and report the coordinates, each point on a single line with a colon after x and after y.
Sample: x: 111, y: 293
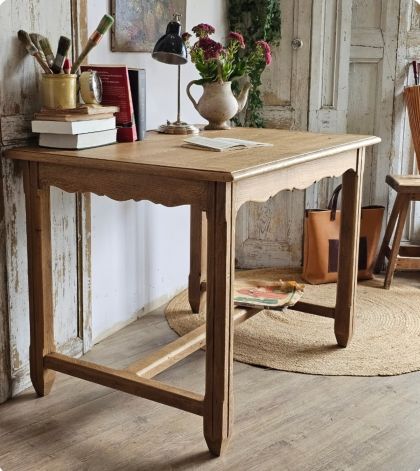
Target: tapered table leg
x: 198, y: 243
x: 349, y: 252
x: 218, y: 409
x: 40, y: 279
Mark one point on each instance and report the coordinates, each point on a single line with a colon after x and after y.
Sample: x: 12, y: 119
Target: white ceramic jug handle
x: 193, y: 82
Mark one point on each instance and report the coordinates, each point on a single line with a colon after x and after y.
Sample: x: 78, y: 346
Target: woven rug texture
x: 386, y: 338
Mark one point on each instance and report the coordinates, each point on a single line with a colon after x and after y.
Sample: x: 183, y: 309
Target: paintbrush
x: 97, y: 35
x: 67, y: 66
x: 35, y: 37
x: 415, y: 72
x: 62, y: 50
x: 25, y: 39
x: 46, y: 48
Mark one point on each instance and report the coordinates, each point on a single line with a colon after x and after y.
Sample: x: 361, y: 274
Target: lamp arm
x: 178, y: 119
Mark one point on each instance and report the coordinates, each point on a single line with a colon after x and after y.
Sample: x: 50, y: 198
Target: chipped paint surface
x: 352, y: 88
x: 270, y: 234
x: 4, y: 324
x: 19, y: 98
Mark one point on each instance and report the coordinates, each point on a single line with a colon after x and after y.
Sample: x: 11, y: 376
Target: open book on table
x: 221, y: 144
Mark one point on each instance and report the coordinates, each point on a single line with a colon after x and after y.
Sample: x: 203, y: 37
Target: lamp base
x: 178, y: 127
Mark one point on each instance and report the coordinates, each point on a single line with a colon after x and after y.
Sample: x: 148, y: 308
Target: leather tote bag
x: 321, y: 241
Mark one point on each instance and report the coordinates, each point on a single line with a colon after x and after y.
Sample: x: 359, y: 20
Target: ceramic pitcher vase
x: 218, y: 104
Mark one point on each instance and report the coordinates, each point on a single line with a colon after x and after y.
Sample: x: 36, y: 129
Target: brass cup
x: 59, y: 91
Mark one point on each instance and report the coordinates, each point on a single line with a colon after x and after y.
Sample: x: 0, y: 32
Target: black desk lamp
x: 170, y: 49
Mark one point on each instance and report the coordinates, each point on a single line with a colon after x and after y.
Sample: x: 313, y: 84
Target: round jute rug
x: 386, y: 340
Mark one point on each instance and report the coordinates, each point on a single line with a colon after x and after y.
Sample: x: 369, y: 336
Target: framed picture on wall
x: 140, y: 23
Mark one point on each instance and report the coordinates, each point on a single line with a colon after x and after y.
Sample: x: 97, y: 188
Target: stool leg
x: 388, y: 234
x: 405, y: 201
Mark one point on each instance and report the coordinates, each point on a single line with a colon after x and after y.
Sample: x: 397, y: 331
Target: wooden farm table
x: 214, y: 184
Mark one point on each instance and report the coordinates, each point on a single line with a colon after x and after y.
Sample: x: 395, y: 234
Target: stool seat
x: 399, y: 257
x: 404, y: 183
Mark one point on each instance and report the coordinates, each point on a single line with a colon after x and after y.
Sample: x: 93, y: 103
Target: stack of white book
x: 75, y: 130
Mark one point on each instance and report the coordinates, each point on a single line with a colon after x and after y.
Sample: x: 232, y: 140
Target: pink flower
x: 266, y: 51
x: 203, y: 30
x: 186, y: 37
x: 211, y: 49
x: 238, y: 38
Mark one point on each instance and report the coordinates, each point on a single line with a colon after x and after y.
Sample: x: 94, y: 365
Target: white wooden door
x: 19, y: 98
x: 269, y: 234
x: 352, y: 83
x: 329, y: 74
x: 351, y: 80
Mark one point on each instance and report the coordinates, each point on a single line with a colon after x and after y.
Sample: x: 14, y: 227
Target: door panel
x: 269, y: 234
x: 19, y: 98
x: 371, y: 90
x: 363, y: 77
x: 352, y: 79
x: 328, y: 99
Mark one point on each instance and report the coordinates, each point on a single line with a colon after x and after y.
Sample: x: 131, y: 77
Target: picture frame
x: 140, y: 23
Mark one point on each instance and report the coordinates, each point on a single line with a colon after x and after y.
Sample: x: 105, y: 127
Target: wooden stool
x: 399, y: 257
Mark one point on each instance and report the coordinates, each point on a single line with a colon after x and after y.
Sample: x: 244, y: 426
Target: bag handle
x: 332, y: 205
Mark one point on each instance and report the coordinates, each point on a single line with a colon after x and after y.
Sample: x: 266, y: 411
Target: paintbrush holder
x: 59, y: 91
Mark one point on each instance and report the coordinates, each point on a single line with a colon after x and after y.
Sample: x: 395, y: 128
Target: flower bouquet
x: 218, y: 65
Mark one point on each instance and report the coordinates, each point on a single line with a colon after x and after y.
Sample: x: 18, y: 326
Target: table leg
x: 40, y: 279
x: 349, y: 252
x: 218, y: 408
x: 198, y: 244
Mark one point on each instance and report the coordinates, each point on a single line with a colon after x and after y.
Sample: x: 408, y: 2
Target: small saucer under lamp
x: 170, y: 49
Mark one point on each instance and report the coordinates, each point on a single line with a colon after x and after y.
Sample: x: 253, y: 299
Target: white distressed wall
x: 140, y: 251
x: 19, y: 98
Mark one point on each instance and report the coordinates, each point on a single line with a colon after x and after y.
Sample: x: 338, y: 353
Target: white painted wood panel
x: 351, y: 81
x: 269, y: 234
x: 19, y: 98
x: 376, y: 61
x: 367, y: 34
x: 329, y: 80
x: 361, y: 115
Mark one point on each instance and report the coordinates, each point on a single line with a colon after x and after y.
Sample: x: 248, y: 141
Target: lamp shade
x: 170, y: 48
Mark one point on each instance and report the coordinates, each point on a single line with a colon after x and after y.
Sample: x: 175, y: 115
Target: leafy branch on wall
x: 255, y: 19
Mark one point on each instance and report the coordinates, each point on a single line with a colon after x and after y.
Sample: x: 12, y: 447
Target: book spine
x: 138, y: 91
x: 126, y: 134
x: 142, y: 104
x: 130, y: 100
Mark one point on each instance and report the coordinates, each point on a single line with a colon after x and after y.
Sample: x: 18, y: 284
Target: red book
x: 116, y: 92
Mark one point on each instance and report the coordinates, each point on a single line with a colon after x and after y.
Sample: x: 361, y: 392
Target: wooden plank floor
x: 284, y: 421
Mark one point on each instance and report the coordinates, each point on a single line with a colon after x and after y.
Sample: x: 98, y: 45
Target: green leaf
x: 255, y: 19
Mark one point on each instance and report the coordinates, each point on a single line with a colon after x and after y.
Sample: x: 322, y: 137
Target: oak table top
x: 162, y: 154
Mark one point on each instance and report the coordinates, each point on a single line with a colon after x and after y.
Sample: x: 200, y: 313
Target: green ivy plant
x: 256, y: 20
